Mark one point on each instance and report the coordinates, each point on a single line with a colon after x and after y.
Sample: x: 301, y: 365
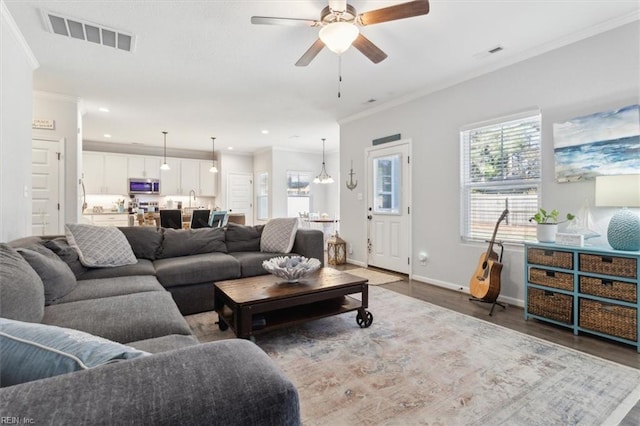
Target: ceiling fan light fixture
x: 338, y: 36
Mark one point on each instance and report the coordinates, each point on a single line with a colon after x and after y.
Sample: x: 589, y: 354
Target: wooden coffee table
x: 257, y: 304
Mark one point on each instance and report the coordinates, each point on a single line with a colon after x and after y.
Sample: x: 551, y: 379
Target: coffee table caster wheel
x: 366, y: 320
x: 222, y: 325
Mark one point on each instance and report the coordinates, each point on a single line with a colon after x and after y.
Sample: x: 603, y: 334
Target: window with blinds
x: 500, y: 169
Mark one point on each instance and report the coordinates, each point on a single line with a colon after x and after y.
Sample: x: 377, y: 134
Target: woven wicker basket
x: 555, y: 258
x: 619, y: 321
x: 553, y: 279
x: 609, y: 265
x: 550, y: 305
x: 609, y: 288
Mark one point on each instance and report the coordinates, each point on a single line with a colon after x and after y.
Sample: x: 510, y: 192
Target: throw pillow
x: 186, y: 242
x: 243, y: 237
x: 145, y: 241
x: 37, y: 351
x: 56, y: 276
x: 21, y: 289
x: 68, y: 254
x: 279, y: 235
x: 100, y: 246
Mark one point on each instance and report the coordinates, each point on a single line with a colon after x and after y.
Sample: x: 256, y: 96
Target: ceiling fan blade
x: 368, y: 49
x: 392, y: 13
x: 311, y: 53
x: 291, y: 22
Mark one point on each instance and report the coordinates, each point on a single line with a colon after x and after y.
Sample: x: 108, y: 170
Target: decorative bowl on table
x: 291, y: 268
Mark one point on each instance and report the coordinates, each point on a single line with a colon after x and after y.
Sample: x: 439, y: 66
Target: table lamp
x: 621, y: 191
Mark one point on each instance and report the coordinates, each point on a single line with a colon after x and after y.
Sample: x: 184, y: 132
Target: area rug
x: 420, y: 364
x: 374, y: 277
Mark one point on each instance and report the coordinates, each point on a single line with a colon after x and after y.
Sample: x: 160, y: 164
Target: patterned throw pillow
x: 279, y: 235
x: 100, y: 246
x: 36, y: 351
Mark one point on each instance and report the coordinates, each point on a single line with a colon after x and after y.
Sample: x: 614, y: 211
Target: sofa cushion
x: 279, y: 235
x: 107, y: 287
x: 21, y: 289
x: 68, y: 254
x: 100, y: 246
x: 199, y: 268
x: 251, y: 262
x: 36, y: 351
x: 123, y: 319
x: 145, y: 241
x: 141, y: 267
x: 165, y: 343
x: 187, y: 242
x: 243, y: 238
x: 56, y: 276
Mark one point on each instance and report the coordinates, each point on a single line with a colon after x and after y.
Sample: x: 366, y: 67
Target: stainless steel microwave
x: 144, y: 186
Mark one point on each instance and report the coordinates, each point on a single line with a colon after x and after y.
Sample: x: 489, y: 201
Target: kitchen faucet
x: 194, y: 197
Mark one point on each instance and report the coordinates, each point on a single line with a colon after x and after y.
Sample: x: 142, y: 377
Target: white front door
x: 47, y: 177
x: 240, y: 195
x: 388, y: 193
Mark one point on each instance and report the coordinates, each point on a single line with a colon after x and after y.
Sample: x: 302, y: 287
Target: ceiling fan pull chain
x: 339, y: 74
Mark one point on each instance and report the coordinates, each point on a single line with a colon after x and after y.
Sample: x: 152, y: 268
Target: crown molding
x: 518, y: 57
x: 17, y: 34
x: 57, y: 97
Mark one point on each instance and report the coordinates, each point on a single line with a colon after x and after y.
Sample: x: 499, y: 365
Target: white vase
x: 546, y: 232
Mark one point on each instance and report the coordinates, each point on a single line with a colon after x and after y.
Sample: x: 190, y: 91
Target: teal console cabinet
x: 586, y: 289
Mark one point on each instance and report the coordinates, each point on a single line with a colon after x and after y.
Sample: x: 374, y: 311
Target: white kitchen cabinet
x: 116, y: 219
x: 170, y: 179
x: 181, y: 178
x: 143, y: 167
x: 104, y: 173
x: 208, y: 180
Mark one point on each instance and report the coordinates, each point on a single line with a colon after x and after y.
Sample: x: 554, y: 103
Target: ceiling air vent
x: 91, y: 32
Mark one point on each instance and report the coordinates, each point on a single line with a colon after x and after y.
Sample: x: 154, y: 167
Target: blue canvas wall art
x: 604, y: 143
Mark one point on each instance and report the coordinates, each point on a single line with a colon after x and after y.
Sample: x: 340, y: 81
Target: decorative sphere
x: 624, y: 231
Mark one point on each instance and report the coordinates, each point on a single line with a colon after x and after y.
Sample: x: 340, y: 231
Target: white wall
x: 16, y: 69
x: 65, y: 110
x: 595, y: 74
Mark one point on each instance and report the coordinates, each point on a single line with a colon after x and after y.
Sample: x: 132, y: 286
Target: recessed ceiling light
x: 265, y: 132
x: 107, y: 135
x: 103, y: 109
x: 230, y: 148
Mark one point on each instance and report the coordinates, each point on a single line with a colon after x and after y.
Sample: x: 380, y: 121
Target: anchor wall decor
x: 351, y: 184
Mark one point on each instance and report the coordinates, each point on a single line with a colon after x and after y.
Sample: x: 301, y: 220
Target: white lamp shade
x: 618, y: 191
x: 338, y: 36
x: 165, y: 166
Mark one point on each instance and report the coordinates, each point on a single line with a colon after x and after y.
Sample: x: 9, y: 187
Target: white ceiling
x: 200, y: 69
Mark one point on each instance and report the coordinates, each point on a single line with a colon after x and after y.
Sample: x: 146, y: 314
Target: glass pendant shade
x: 213, y: 168
x: 323, y: 177
x: 338, y: 36
x: 165, y: 166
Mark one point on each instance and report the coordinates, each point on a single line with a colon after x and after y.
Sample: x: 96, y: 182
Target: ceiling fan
x: 339, y: 24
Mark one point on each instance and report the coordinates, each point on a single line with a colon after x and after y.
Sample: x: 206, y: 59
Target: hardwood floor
x: 513, y: 317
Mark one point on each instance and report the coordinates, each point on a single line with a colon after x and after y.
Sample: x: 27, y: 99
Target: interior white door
x: 388, y: 198
x: 47, y: 176
x: 240, y: 195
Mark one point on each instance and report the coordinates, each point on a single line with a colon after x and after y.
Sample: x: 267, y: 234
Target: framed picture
x: 604, y: 143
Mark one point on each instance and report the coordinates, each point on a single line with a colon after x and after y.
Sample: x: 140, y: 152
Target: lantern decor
x: 336, y: 250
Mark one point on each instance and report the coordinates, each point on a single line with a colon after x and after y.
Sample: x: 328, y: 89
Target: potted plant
x: 547, y: 227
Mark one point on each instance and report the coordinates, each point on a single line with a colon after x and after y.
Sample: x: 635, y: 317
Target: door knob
x: 369, y: 217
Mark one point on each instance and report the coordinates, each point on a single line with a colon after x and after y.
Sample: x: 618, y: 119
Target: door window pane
x: 386, y: 184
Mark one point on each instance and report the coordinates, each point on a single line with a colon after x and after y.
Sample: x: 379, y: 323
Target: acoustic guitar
x: 485, y: 282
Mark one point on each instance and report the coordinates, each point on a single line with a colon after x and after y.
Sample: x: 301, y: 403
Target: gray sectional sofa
x: 175, y: 380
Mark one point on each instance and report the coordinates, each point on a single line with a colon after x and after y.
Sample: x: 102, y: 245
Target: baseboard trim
x: 357, y: 263
x: 455, y: 287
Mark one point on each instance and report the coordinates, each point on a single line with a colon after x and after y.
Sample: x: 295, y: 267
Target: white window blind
x: 500, y: 169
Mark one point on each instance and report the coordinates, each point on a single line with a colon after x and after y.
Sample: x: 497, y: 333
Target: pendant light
x: 213, y: 168
x: 323, y: 177
x: 165, y: 166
